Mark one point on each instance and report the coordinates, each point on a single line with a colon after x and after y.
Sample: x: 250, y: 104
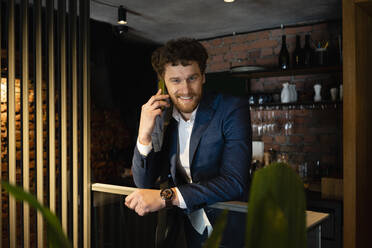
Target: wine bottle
x: 284, y: 55
x: 308, y: 52
x: 297, y: 54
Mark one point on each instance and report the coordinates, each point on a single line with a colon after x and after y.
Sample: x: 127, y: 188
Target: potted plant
x: 276, y: 215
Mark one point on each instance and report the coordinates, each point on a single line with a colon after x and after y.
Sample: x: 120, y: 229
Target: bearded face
x: 184, y: 84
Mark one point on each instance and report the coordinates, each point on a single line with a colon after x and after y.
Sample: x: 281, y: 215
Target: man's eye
x: 192, y: 78
x: 175, y: 80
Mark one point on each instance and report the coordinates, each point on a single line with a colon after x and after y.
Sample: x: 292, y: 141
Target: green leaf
x: 276, y: 213
x: 215, y: 239
x: 56, y: 236
x: 270, y: 226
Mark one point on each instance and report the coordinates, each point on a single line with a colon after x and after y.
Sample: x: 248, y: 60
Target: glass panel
x: 114, y: 225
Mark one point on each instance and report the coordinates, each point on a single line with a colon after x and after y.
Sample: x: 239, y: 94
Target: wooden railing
x: 312, y: 218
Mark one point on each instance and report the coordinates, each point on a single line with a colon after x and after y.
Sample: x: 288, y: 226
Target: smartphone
x: 168, y: 114
x: 161, y: 85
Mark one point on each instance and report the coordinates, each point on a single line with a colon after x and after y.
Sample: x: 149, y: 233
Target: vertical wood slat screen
x: 39, y: 121
x: 62, y: 31
x: 39, y: 90
x: 52, y: 146
x: 25, y: 122
x: 85, y: 7
x: 11, y: 120
x: 1, y: 124
x: 74, y: 123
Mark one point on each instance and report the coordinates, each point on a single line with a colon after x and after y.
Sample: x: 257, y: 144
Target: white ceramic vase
x: 291, y: 94
x: 317, y: 90
x: 285, y: 94
x: 295, y: 93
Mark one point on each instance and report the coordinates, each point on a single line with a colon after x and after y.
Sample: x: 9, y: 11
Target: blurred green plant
x: 216, y: 236
x: 55, y: 235
x: 276, y: 215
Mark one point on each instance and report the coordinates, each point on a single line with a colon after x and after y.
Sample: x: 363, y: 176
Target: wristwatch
x: 167, y: 195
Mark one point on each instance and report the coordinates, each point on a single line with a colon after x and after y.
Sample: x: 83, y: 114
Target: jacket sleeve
x: 144, y: 169
x: 233, y: 179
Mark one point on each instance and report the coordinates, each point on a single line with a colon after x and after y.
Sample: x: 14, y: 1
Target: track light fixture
x: 122, y: 15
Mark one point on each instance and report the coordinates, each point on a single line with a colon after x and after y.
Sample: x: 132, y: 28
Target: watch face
x: 166, y: 194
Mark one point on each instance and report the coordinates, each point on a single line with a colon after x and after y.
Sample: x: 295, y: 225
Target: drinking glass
x: 272, y: 121
x: 254, y: 123
x: 259, y: 123
x: 265, y: 122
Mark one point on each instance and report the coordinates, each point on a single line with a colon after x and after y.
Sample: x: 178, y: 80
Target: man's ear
x: 203, y: 78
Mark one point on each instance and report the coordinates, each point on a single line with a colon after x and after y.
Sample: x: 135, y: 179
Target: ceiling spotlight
x: 228, y: 1
x: 122, y: 15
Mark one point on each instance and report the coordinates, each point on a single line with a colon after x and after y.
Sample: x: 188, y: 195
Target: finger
x: 157, y: 98
x: 159, y: 104
x: 129, y: 198
x: 157, y: 112
x: 153, y: 98
x: 133, y: 204
x: 139, y: 210
x: 127, y: 203
x: 161, y: 97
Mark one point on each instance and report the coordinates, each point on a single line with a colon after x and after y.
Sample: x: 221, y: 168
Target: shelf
x: 298, y: 105
x: 275, y: 72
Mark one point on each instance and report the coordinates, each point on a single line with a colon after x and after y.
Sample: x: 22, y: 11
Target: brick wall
x: 109, y: 138
x: 4, y: 155
x: 262, y: 48
x: 317, y: 132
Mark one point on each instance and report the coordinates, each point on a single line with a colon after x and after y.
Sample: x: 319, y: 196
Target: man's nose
x: 185, y: 87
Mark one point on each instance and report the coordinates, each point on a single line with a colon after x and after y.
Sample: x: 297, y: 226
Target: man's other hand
x: 149, y: 111
x: 145, y: 201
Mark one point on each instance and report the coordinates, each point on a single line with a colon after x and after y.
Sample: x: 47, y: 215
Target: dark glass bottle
x: 284, y: 55
x: 297, y: 54
x: 308, y: 52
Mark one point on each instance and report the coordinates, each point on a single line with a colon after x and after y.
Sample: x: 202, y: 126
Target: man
x: 205, y: 148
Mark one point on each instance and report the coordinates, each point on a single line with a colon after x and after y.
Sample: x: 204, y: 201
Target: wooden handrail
x: 312, y: 218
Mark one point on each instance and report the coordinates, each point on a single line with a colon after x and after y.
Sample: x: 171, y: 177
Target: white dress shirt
x: 198, y: 218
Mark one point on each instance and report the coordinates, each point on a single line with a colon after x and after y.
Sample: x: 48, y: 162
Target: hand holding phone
x: 149, y: 111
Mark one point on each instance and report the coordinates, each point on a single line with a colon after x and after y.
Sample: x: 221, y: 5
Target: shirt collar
x: 177, y: 115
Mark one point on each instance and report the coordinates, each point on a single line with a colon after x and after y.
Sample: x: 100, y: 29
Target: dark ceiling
x: 162, y: 20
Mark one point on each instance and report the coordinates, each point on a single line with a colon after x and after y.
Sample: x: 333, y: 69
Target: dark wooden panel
x: 366, y: 5
x: 364, y: 108
x: 357, y: 136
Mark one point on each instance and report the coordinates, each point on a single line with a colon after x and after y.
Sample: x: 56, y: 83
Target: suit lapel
x: 203, y: 117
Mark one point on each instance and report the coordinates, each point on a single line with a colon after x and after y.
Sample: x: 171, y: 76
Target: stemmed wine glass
x: 259, y: 123
x: 288, y: 125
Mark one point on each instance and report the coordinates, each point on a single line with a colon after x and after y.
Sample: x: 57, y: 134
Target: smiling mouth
x: 185, y: 97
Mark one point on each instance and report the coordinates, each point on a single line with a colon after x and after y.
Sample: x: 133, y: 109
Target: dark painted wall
x: 122, y: 81
x: 121, y: 72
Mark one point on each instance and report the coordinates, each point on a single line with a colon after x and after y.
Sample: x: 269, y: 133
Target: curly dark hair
x: 182, y: 50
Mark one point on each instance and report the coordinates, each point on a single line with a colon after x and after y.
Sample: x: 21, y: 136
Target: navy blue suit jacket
x: 220, y: 153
